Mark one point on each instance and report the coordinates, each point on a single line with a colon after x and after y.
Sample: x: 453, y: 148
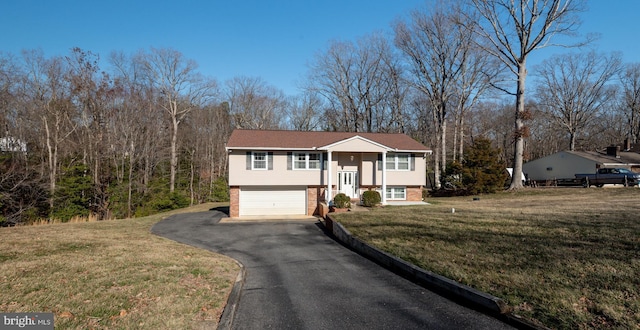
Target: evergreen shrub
x: 371, y: 198
x: 342, y: 201
x: 220, y: 191
x: 481, y: 171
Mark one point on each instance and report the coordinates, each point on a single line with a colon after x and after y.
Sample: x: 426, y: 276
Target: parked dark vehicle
x: 610, y: 176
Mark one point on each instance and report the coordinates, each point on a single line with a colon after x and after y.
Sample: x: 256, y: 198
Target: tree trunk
x: 174, y: 154
x: 52, y: 151
x: 518, y: 149
x: 130, y: 183
x: 212, y: 171
x: 461, y: 139
x: 436, y: 159
x: 455, y: 140
x: 443, y: 144
x: 572, y: 141
x: 191, y: 178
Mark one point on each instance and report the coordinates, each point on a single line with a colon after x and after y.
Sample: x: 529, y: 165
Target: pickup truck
x: 609, y: 176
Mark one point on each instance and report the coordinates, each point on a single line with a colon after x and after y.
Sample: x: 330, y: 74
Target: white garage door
x: 273, y: 201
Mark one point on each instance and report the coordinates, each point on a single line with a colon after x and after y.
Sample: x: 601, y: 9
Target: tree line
x: 147, y: 132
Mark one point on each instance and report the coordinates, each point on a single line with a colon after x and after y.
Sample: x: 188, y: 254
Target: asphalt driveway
x: 297, y: 277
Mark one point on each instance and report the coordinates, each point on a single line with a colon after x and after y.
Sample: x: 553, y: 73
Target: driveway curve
x: 299, y: 278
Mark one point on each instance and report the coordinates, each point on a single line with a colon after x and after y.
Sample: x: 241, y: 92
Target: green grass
x: 566, y: 258
x: 112, y: 275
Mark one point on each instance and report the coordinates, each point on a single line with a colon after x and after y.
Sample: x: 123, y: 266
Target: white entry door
x: 348, y: 183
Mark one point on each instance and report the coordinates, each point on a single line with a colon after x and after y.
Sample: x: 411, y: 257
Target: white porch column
x: 329, y: 175
x: 383, y: 193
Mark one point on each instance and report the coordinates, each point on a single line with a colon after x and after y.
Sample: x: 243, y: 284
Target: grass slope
x: 112, y: 274
x: 568, y: 258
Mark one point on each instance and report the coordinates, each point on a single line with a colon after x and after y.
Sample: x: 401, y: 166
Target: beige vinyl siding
x: 278, y: 176
x: 366, y: 164
x: 415, y: 177
x: 406, y: 178
x: 347, y: 161
x: 367, y: 176
x: 356, y: 145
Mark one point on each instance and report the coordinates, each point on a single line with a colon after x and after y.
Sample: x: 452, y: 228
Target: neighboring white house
x: 291, y: 172
x: 565, y: 164
x: 11, y: 144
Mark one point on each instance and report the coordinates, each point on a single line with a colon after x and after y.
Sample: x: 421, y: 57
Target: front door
x: 348, y: 183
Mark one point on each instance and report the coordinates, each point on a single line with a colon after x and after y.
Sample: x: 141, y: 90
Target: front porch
x: 351, y: 173
x: 357, y: 164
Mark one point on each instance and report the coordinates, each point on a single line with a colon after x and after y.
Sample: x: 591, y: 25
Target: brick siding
x: 414, y: 193
x: 312, y: 200
x: 234, y: 201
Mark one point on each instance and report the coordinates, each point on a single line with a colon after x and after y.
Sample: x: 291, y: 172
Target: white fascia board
x: 268, y: 148
x: 327, y: 147
x: 619, y: 164
x: 426, y: 152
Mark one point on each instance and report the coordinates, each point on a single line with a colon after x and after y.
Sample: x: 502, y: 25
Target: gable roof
x: 310, y: 140
x: 625, y: 158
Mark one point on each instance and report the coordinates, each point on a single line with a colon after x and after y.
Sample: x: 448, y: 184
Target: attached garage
x: 270, y: 200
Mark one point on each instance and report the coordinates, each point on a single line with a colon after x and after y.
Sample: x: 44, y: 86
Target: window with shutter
x: 306, y: 161
x: 259, y: 161
x: 399, y: 162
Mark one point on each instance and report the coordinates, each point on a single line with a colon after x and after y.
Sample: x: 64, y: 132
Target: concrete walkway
x: 297, y: 277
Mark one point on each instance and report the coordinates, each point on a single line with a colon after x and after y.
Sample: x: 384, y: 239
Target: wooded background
x: 120, y: 135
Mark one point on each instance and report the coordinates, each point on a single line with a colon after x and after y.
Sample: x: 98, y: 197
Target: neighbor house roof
x: 274, y: 139
x: 624, y: 158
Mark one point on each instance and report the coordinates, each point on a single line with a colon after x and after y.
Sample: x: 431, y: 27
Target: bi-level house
x: 291, y: 172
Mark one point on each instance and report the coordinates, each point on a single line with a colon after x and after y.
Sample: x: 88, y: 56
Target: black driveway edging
x: 445, y: 286
x: 228, y: 314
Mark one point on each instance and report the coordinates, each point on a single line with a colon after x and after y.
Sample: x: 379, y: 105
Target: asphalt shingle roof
x: 265, y: 139
x: 624, y: 157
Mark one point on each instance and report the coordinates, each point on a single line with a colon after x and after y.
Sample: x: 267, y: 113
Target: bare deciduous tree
x: 439, y: 49
x: 49, y: 100
x: 180, y: 89
x: 206, y: 136
x: 630, y: 99
x: 303, y: 112
x: 476, y: 77
x: 9, y: 77
x: 120, y: 124
x: 92, y: 93
x: 352, y: 77
x: 573, y: 89
x: 254, y: 104
x: 511, y: 30
x: 394, y: 115
x: 138, y: 139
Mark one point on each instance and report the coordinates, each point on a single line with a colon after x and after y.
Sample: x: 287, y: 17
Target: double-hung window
x: 398, y: 162
x: 397, y: 193
x: 306, y: 161
x: 259, y: 161
x: 313, y: 161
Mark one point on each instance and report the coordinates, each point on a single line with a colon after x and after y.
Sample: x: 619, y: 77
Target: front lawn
x: 568, y: 258
x: 112, y: 275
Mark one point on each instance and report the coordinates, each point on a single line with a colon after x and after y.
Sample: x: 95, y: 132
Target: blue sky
x: 271, y: 39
